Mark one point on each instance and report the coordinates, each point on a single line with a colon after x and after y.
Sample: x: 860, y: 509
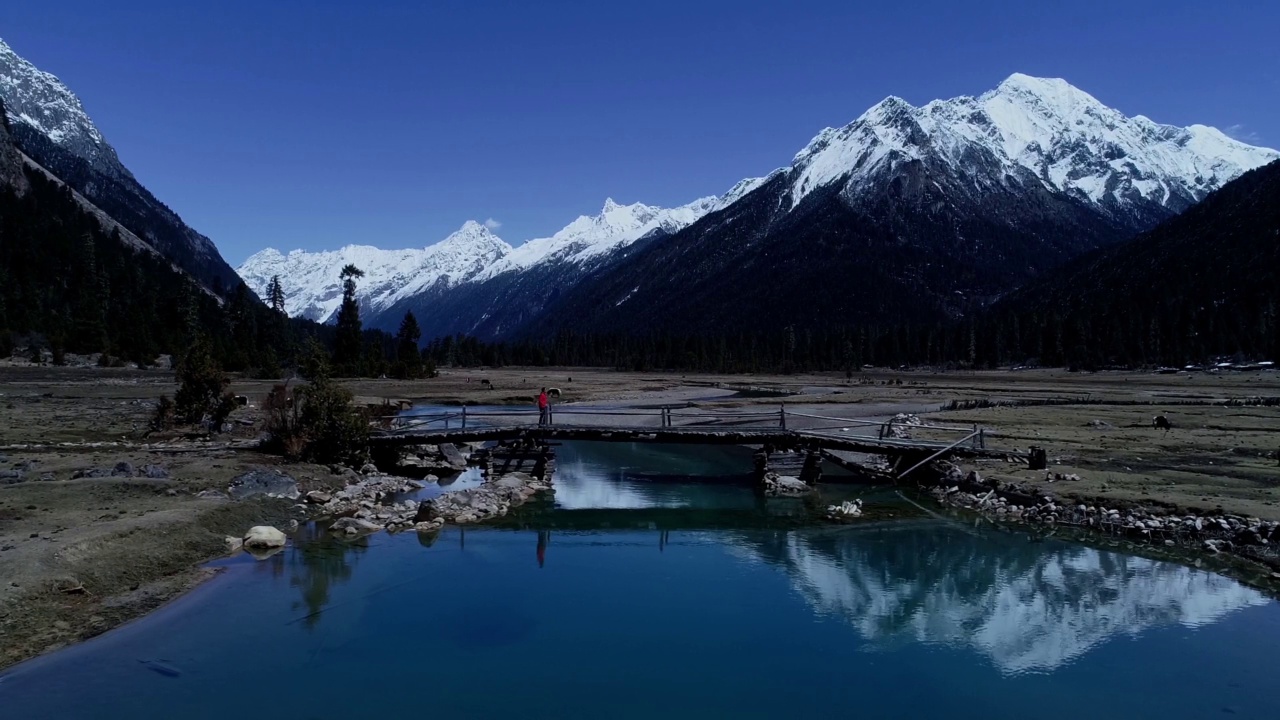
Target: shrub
x: 270, y: 368
x: 335, y: 430
x: 202, y: 390
x: 318, y: 422
x: 164, y: 416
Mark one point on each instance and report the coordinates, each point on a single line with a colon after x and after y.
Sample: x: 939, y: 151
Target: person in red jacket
x: 544, y: 407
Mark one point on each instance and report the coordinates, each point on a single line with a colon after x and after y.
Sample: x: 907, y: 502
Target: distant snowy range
x: 951, y: 203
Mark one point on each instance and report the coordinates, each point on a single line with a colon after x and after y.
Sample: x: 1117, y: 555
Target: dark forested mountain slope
x: 1206, y: 282
x: 49, y: 124
x: 923, y: 245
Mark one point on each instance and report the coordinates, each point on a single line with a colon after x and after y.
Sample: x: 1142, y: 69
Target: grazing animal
x: 1160, y: 422
x: 553, y: 392
x: 487, y: 383
x: 241, y: 400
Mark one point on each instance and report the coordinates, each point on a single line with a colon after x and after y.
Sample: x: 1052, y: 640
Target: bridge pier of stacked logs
x: 799, y: 463
x: 534, y: 458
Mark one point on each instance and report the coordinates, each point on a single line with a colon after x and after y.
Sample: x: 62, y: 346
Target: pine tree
x: 347, y: 344
x: 408, y: 357
x: 275, y: 294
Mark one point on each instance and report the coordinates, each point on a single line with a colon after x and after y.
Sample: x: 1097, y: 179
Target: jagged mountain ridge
x: 472, y: 255
x: 313, y: 291
x: 51, y: 127
x: 905, y: 214
x: 914, y: 215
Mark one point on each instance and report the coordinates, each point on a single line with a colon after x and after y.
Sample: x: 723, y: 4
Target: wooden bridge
x: 781, y: 429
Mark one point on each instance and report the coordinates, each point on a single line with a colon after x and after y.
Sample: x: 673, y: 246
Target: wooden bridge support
x: 532, y: 457
x: 803, y: 464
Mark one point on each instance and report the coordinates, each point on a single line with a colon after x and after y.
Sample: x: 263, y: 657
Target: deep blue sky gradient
x: 316, y: 124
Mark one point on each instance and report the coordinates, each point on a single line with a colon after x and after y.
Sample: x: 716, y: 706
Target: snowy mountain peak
x: 473, y: 236
x: 41, y: 101
x: 1042, y: 128
x: 617, y: 226
x: 313, y: 290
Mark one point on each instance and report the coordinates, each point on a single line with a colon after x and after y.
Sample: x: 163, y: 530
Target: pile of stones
x: 1015, y: 502
x: 494, y: 498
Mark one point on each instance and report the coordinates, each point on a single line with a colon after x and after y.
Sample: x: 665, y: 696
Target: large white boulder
x: 263, y: 537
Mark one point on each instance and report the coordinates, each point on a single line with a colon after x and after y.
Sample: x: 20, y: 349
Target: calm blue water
x: 905, y: 618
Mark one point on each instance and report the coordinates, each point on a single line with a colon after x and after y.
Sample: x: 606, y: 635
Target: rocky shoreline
x: 1217, y: 534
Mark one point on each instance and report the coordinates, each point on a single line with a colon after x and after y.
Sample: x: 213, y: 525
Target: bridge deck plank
x: 704, y: 435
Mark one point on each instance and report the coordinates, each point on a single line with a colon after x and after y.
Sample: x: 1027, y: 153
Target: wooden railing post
x: 782, y: 416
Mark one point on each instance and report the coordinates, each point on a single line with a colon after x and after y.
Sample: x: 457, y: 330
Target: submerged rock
x: 775, y: 485
x: 845, y: 511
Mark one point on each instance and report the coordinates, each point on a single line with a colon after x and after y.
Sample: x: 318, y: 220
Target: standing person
x: 544, y: 407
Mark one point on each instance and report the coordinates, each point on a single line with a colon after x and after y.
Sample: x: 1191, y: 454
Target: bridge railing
x: 668, y: 416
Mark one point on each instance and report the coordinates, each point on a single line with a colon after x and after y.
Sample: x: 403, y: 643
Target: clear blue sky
x: 316, y: 124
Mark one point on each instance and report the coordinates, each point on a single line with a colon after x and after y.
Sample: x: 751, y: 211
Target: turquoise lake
x: 657, y: 584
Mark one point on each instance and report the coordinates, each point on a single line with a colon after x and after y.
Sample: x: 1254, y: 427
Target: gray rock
x: 369, y: 469
x: 452, y: 455
x: 263, y: 481
x: 317, y: 497
x: 90, y: 473
x: 353, y: 525
x: 154, y: 471
x: 123, y: 469
x: 11, y: 476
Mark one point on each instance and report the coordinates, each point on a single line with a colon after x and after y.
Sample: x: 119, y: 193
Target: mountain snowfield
x: 40, y: 100
x: 313, y: 290
x: 1028, y: 130
x: 310, y: 279
x: 1046, y: 127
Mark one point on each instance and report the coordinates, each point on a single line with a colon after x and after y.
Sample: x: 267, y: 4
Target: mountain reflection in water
x: 1026, y: 606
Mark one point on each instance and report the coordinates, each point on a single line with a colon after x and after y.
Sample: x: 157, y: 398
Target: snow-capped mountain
x: 50, y: 126
x: 471, y: 255
x: 313, y: 290
x: 41, y: 101
x: 1031, y: 127
x: 906, y: 213
x: 915, y: 214
x: 592, y: 236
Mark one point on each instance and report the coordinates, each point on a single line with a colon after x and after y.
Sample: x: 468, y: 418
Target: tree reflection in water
x: 318, y: 562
